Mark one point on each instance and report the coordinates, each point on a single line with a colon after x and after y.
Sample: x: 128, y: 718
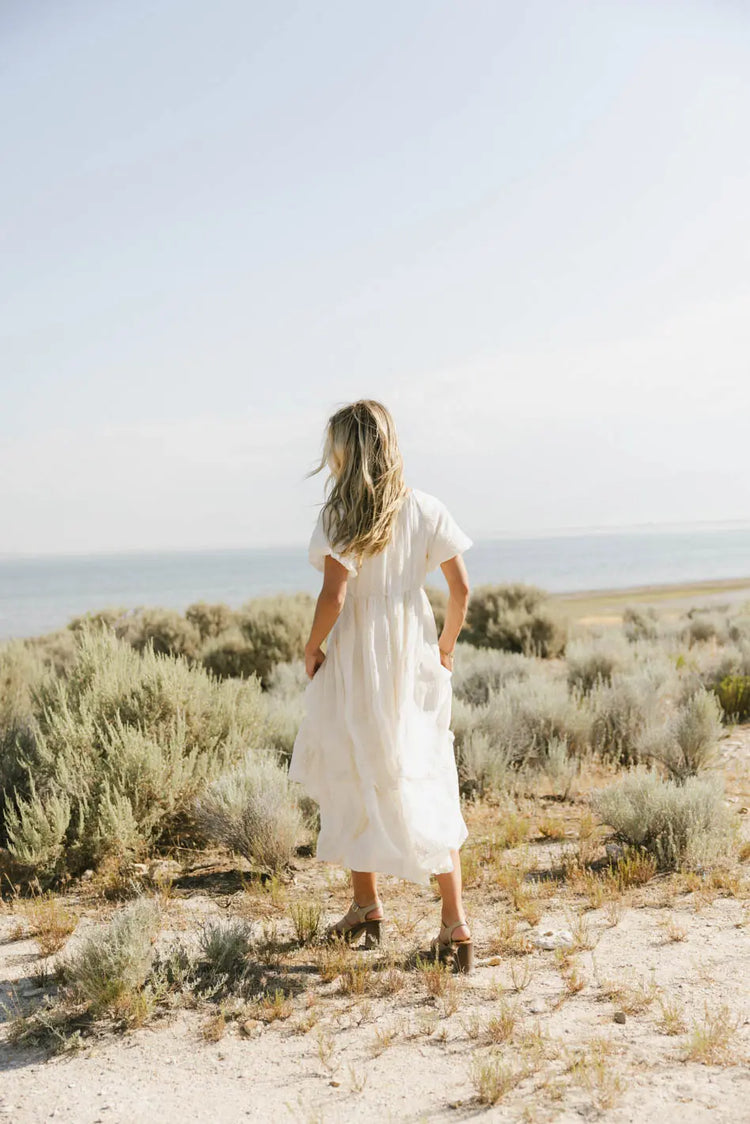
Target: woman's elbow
x: 336, y: 597
x: 460, y: 592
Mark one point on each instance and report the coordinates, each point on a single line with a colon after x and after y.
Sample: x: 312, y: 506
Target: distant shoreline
x: 665, y: 589
x: 606, y: 605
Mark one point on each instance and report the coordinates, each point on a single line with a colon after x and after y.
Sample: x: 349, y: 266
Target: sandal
x: 354, y: 921
x: 446, y: 947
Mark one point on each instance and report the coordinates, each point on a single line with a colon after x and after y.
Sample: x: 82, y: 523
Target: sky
x: 525, y: 228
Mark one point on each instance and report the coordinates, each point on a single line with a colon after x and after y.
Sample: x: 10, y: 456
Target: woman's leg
x: 450, y: 892
x: 365, y: 889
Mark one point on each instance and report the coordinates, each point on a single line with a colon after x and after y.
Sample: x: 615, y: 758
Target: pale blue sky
x: 524, y: 227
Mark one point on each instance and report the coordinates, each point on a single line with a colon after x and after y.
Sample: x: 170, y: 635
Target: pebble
x: 620, y: 1017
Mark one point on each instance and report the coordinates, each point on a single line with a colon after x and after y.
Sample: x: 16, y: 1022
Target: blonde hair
x: 366, y: 485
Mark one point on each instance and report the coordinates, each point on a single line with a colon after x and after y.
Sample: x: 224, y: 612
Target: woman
x: 374, y: 748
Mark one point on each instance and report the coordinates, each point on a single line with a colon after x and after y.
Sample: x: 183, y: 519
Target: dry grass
x: 712, y: 1039
x: 591, y: 1067
x: 306, y: 918
x: 493, y: 1078
x: 50, y: 921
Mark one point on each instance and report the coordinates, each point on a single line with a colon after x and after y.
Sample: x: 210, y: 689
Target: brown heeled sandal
x: 459, y: 952
x: 354, y: 922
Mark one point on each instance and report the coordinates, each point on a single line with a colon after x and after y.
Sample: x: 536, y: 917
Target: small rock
x: 620, y: 1017
x: 537, y: 1007
x: 334, y: 1083
x: 553, y: 938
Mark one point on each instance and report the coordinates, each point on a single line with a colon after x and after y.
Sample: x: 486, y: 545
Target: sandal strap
x: 446, y: 931
x: 357, y: 913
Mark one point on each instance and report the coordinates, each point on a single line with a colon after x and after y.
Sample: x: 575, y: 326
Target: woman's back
x: 424, y: 535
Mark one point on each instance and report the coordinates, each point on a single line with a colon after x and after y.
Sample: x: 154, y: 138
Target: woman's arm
x: 329, y: 604
x: 455, y: 612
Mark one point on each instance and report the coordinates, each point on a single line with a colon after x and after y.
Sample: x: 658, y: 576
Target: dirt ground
x: 645, y: 1018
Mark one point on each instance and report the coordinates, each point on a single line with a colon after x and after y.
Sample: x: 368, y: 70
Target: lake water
x: 40, y: 594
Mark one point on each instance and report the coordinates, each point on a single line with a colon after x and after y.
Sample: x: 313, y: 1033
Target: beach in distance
x: 41, y: 593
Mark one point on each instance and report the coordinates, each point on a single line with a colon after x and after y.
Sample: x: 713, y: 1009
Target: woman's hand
x: 313, y: 659
x: 446, y: 659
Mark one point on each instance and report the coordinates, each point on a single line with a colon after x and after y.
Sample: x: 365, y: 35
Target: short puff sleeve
x: 320, y: 546
x: 447, y: 539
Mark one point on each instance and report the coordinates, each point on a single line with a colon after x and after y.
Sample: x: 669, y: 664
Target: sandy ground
x: 407, y: 1056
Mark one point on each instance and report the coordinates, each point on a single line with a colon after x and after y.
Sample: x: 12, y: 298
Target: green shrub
x: 481, y: 671
x: 277, y: 629
x: 114, y: 619
x: 681, y: 825
x: 165, y: 630
x: 253, y: 811
x: 621, y: 712
x: 515, y: 730
x: 120, y: 747
x: 704, y: 624
x: 560, y: 766
x: 514, y: 618
x: 738, y: 628
x: 640, y: 623
x: 230, y: 655
x: 22, y: 670
x: 733, y: 693
x: 686, y: 741
x: 210, y: 620
x: 268, y: 631
x: 56, y: 650
x: 484, y: 767
x: 224, y: 947
x: 112, y: 964
x: 594, y: 660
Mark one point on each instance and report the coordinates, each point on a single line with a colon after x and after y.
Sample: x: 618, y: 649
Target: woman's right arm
x: 455, y: 612
x: 327, y: 609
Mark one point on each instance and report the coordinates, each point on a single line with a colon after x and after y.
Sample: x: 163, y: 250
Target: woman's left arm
x: 327, y: 609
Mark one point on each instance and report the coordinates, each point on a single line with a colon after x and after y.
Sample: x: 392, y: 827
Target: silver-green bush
x: 621, y: 711
x: 682, y: 825
x: 268, y: 631
x: 685, y: 742
x: 210, y: 619
x: 481, y: 671
x: 253, y: 811
x: 121, y: 746
x: 515, y: 618
x: 166, y: 631
x: 224, y: 946
x: 640, y: 623
x: 115, y: 961
x: 594, y: 660
x: 514, y: 731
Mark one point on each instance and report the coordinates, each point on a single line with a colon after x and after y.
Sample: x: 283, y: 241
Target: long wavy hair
x: 366, y: 486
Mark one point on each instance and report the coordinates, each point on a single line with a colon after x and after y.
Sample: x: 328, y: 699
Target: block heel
x: 458, y: 953
x: 355, y: 922
x: 465, y: 956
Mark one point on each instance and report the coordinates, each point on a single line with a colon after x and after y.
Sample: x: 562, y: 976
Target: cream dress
x: 374, y: 748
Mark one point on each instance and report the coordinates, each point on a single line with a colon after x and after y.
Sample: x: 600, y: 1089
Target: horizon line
x: 673, y: 527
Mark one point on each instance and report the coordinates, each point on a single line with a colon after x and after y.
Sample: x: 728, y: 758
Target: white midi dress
x: 375, y: 748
